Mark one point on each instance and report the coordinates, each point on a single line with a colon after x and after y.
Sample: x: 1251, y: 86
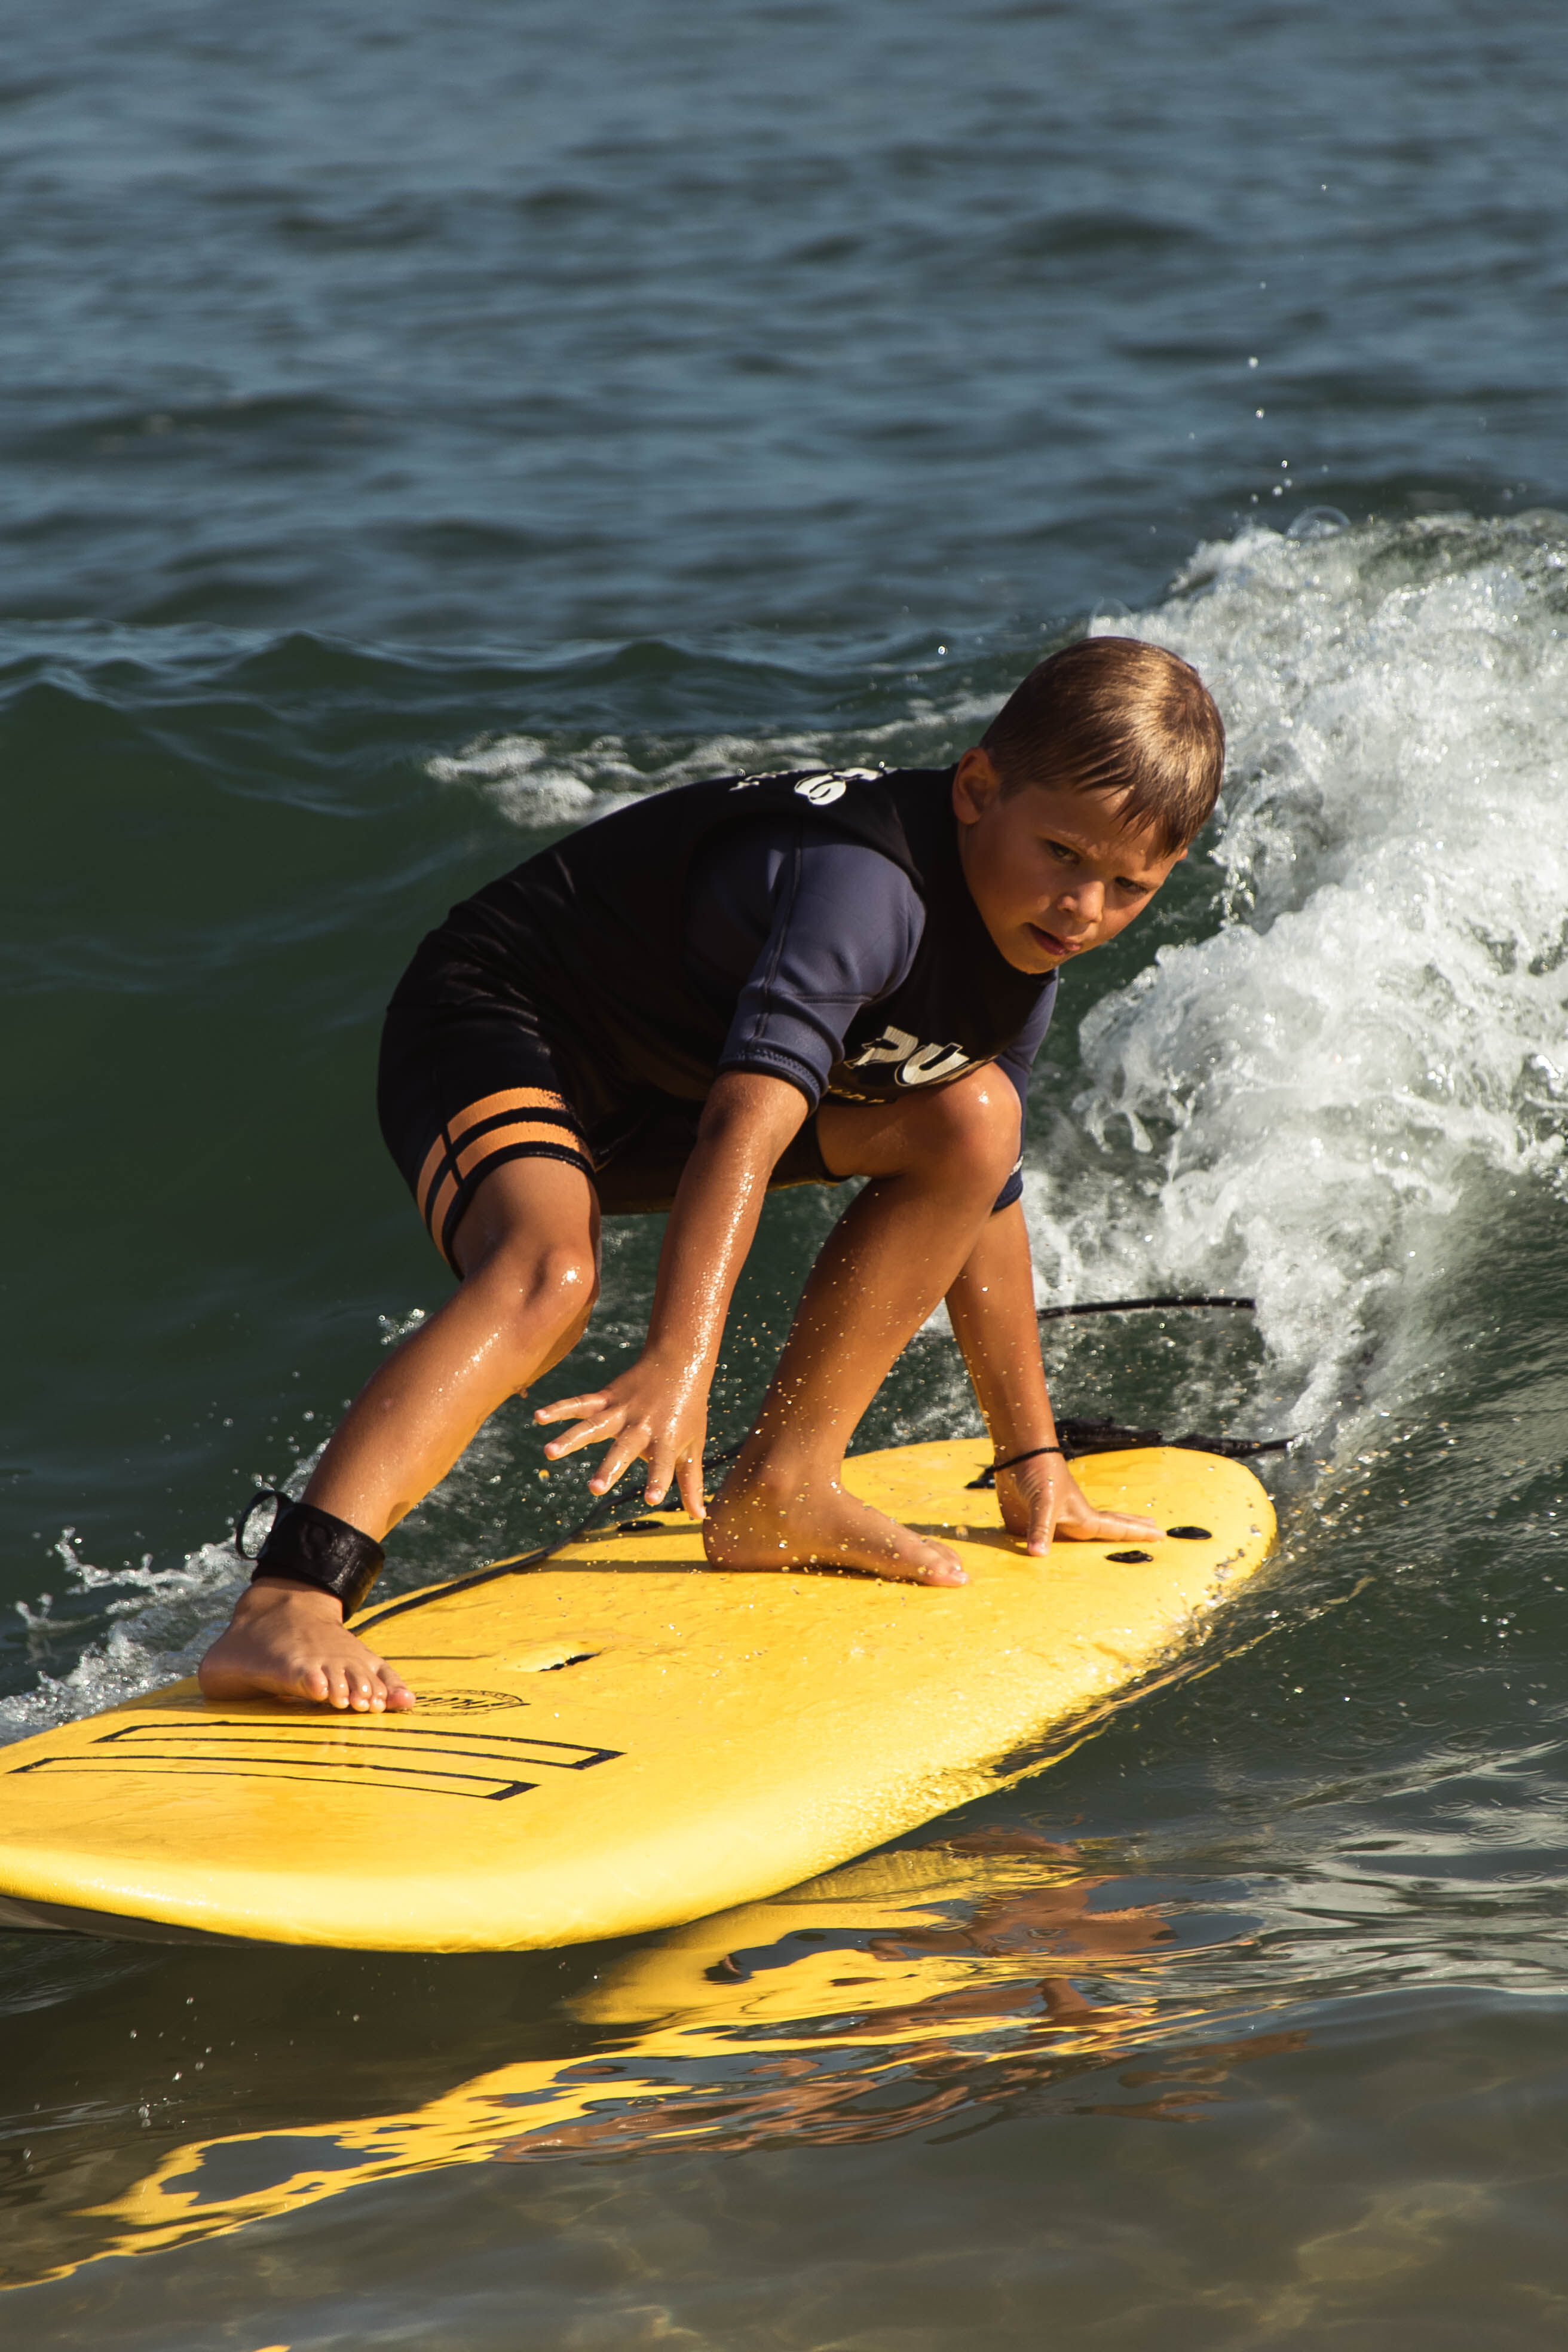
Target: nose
x: 1084, y: 900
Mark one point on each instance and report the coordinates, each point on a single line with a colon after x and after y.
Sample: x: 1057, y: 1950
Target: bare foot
x: 288, y: 1642
x: 758, y: 1521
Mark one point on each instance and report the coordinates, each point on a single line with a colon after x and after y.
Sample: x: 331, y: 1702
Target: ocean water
x: 421, y: 431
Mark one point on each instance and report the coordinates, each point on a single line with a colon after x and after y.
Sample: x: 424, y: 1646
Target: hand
x: 657, y: 1413
x: 1042, y: 1500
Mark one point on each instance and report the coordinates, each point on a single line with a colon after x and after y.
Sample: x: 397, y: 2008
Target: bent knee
x: 548, y: 1291
x: 973, y: 1123
x: 561, y: 1283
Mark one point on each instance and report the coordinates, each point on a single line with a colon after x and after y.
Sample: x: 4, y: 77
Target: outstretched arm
x: 659, y: 1409
x: 992, y: 1306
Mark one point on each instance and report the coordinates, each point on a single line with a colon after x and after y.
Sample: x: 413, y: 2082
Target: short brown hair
x: 1114, y: 715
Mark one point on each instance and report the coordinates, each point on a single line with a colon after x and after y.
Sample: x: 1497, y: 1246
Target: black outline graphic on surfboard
x: 204, y: 1749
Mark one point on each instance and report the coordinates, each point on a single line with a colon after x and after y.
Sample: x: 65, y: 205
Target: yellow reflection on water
x: 875, y: 2000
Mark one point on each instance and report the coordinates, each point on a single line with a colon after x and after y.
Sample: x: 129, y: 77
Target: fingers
x: 605, y: 1420
x: 1033, y: 1506
x: 1042, y: 1520
x: 626, y: 1450
x: 1053, y: 1504
x: 658, y: 1453
x: 689, y: 1480
x: 686, y: 1468
x: 569, y: 1408
x: 636, y: 1437
x: 1107, y: 1526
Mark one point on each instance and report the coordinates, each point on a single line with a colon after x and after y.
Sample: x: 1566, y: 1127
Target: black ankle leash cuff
x: 306, y: 1546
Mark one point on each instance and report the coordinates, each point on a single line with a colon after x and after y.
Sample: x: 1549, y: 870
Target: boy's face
x: 1053, y: 872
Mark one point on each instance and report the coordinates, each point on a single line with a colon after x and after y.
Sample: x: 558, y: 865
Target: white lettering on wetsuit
x: 915, y: 1065
x: 821, y: 787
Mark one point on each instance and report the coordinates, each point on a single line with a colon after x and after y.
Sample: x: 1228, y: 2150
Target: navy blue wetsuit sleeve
x: 799, y: 934
x: 1018, y: 1059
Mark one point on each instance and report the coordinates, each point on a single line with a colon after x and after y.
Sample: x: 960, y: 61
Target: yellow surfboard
x: 623, y: 1738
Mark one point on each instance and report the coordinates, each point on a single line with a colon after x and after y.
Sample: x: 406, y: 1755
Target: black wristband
x: 1013, y: 1460
x: 310, y: 1547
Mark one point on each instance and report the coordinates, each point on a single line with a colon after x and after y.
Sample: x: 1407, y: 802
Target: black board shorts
x: 465, y: 1086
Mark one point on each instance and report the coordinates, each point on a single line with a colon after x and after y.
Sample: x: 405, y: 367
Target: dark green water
x: 419, y: 429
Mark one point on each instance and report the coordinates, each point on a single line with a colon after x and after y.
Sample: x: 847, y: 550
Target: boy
x: 757, y: 982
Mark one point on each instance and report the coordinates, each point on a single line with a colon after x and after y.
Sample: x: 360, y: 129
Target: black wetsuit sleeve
x: 798, y: 933
x: 1018, y: 1059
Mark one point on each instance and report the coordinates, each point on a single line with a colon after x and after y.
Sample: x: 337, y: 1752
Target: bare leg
x: 937, y: 1163
x: 528, y: 1249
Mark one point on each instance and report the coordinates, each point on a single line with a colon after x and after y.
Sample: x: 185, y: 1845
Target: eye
x: 1060, y: 851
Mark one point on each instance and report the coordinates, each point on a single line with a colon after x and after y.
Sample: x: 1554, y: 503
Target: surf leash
x: 526, y: 1561
x: 1134, y: 1306
x: 1081, y: 1437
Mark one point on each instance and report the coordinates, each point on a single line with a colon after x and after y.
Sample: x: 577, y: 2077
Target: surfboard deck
x: 623, y: 1738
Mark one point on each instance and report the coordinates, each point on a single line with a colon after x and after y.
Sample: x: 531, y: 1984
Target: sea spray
x: 1314, y: 1102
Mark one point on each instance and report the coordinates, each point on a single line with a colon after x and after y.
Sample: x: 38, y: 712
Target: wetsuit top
x: 797, y: 931
x: 597, y: 934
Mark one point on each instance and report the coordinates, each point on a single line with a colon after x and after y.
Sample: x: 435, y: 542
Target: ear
x: 975, y: 786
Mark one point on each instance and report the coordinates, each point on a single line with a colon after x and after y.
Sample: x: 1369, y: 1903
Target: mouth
x: 1049, y: 944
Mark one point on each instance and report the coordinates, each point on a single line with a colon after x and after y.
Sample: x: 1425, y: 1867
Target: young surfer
x: 759, y: 982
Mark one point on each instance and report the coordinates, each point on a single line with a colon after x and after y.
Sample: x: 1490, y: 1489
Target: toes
x: 351, y: 1688
x: 944, y: 1569
x: 396, y: 1694
x: 827, y: 1531
x: 365, y: 1694
x: 355, y: 1684
x: 932, y: 1564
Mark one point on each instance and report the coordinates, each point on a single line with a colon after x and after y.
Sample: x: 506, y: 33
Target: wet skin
x: 1053, y: 874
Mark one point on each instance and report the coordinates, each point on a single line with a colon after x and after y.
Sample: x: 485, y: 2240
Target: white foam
x: 518, y: 777
x: 527, y: 780
x: 161, y: 1621
x: 1310, y: 1103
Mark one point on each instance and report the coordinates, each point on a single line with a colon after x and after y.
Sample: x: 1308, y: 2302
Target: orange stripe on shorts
x: 517, y: 1130
x: 494, y: 1140
x: 509, y: 1098
x: 488, y: 1107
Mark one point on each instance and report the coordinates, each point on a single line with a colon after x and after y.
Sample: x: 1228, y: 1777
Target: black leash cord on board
x: 1079, y: 1437
x: 1131, y: 1305
x: 547, y: 1552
